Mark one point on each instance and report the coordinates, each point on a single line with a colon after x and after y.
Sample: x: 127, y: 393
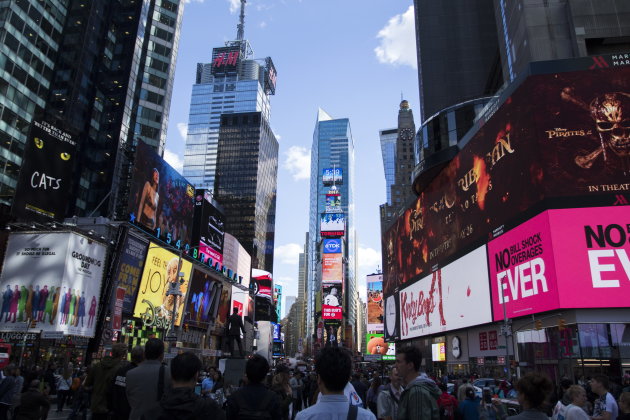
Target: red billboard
x: 558, y: 140
x: 332, y: 301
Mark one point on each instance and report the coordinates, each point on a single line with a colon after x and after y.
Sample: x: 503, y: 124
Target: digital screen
x: 332, y: 268
x: 204, y: 296
x: 332, y: 301
x: 208, y: 227
x: 438, y: 352
x: 333, y: 203
x: 375, y: 314
x: 333, y: 224
x: 226, y: 59
x: 130, y: 266
x: 332, y: 175
x: 332, y: 246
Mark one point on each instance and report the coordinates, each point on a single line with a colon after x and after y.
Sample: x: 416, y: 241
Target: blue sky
x: 352, y: 58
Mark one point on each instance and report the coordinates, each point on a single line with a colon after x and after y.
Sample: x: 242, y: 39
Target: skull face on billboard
x: 611, y: 113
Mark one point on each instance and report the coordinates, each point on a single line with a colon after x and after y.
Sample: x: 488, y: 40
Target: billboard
x: 204, y: 296
x: 277, y: 300
x: 332, y: 175
x: 160, y: 199
x: 438, y: 352
x: 453, y: 297
x: 46, y: 173
x: 161, y: 269
x: 263, y: 283
x: 270, y: 76
x: 332, y: 301
x: 236, y: 258
x: 375, y: 302
x: 129, y: 270
x: 333, y: 203
x: 240, y: 301
x: 392, y: 317
x: 332, y: 246
x: 224, y: 311
x: 277, y: 328
x: 208, y: 228
x: 333, y: 224
x: 332, y: 268
x: 54, y: 279
x: 226, y: 59
x: 550, y: 138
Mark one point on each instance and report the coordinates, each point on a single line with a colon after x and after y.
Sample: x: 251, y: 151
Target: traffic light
x: 539, y: 324
x: 562, y: 324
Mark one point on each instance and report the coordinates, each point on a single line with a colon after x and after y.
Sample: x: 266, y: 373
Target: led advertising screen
x: 453, y: 297
x: 438, y: 352
x: 375, y: 302
x: 208, y: 228
x: 551, y: 138
x: 129, y: 270
x: 46, y: 173
x: 263, y: 283
x: 54, y: 279
x: 333, y: 224
x: 332, y: 268
x: 240, y: 301
x: 277, y: 328
x: 224, y: 311
x: 204, y: 297
x: 333, y: 203
x: 332, y: 246
x: 376, y: 345
x: 332, y: 175
x: 270, y: 76
x: 161, y: 269
x: 236, y: 258
x: 160, y: 199
x: 392, y: 317
x: 277, y: 300
x: 332, y: 301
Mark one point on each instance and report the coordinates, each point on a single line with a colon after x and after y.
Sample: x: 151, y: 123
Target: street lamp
x: 506, y: 331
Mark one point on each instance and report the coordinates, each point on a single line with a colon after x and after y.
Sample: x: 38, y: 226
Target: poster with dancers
x: 53, y: 279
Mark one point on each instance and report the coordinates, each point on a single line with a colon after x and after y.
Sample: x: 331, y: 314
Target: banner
x: 45, y: 174
x: 53, y: 279
x: 333, y: 301
x: 332, y: 268
x: 129, y: 270
x: 118, y: 305
x: 450, y: 298
x: 332, y: 246
x: 375, y: 302
x: 161, y: 269
x: 204, y: 297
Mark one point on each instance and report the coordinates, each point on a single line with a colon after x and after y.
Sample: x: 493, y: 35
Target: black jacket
x: 254, y: 396
x: 184, y: 404
x: 235, y: 325
x: 118, y: 396
x: 34, y: 405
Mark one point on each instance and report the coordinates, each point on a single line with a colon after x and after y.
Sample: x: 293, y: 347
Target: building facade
x: 388, y: 152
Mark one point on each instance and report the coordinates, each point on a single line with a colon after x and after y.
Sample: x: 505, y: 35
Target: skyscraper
x: 388, y: 152
x: 332, y: 150
x: 233, y: 82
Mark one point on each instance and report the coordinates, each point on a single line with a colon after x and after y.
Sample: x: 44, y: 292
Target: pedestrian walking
x: 334, y: 367
x: 280, y: 385
x: 35, y: 404
x: 419, y: 399
x: 447, y: 404
x: 389, y: 398
x: 461, y: 391
x: 180, y: 402
x: 254, y: 400
x: 559, y: 411
x: 100, y: 379
x: 577, y: 399
x: 119, y: 402
x: 491, y: 409
x: 624, y: 406
x: 534, y: 389
x: 359, y: 386
x: 63, y: 381
x: 7, y: 390
x: 146, y: 384
x: 297, y: 387
x: 605, y: 407
x: 469, y: 408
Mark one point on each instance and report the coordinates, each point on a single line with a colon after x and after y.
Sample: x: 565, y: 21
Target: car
x: 450, y: 388
x: 492, y: 384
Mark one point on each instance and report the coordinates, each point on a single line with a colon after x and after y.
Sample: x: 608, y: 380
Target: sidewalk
x: 54, y: 415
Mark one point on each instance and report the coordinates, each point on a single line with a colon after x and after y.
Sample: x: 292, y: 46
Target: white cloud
x: 298, y: 162
x: 174, y: 160
x: 235, y: 5
x: 193, y: 1
x: 263, y: 24
x: 369, y: 259
x: 397, y: 41
x: 288, y: 254
x: 182, y: 128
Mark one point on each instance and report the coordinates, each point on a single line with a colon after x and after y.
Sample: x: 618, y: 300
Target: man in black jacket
x: 254, y: 400
x: 235, y: 326
x: 119, y: 402
x: 181, y: 402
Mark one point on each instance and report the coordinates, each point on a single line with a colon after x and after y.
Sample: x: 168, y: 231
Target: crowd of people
x: 145, y: 388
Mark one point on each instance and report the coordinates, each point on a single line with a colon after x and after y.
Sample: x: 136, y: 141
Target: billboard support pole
x: 506, y: 333
x: 23, y: 349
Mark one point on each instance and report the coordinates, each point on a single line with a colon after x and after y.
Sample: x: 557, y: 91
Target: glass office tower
x: 333, y: 146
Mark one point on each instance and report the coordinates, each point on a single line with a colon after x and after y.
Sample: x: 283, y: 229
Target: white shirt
x: 573, y: 412
x: 332, y: 407
x: 351, y: 395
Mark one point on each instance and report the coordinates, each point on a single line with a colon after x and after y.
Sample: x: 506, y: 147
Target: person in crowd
x: 254, y: 399
x: 235, y: 326
x: 81, y: 397
x: 469, y: 408
x: 489, y: 408
x: 63, y: 381
x: 563, y: 402
x: 419, y: 399
x: 280, y: 385
x: 576, y: 395
x: 624, y: 406
x: 333, y: 366
x: 180, y: 402
x: 534, y: 389
x: 146, y: 384
x: 100, y: 379
x: 207, y: 384
x: 605, y: 407
x: 306, y: 392
x: 461, y: 391
x: 7, y: 390
x: 446, y: 403
x: 49, y: 378
x: 297, y: 387
x: 35, y: 405
x: 359, y: 386
x: 372, y: 394
x: 119, y: 402
x: 218, y: 382
x: 388, y: 398
x: 17, y: 391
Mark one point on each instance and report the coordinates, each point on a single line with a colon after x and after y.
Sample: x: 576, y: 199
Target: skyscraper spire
x: 240, y: 34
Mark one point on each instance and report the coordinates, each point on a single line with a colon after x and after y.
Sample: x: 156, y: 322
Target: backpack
x: 247, y: 412
x: 447, y: 408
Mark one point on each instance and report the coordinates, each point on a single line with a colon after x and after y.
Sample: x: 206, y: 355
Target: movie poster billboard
x: 332, y: 301
x: 332, y: 224
x: 332, y: 268
x: 208, y: 228
x: 45, y: 174
x: 453, y: 297
x: 375, y: 302
x: 129, y: 270
x: 161, y: 269
x: 333, y: 203
x: 224, y: 311
x: 204, y: 297
x: 53, y: 279
x: 332, y: 176
x: 553, y: 138
x: 161, y: 201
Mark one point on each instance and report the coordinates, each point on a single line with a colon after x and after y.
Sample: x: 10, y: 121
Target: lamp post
x: 506, y: 331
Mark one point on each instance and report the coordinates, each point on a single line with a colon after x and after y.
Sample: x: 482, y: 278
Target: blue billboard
x: 332, y: 246
x: 276, y: 331
x: 332, y: 175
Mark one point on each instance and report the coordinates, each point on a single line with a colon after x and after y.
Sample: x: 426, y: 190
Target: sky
x: 352, y: 58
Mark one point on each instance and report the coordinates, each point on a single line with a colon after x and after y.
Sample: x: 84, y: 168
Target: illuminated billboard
x: 270, y: 76
x: 376, y: 345
x: 237, y: 259
x: 45, y: 174
x: 204, y: 298
x: 332, y: 268
x: 332, y: 246
x: 438, y: 352
x: 333, y: 203
x: 332, y: 224
x: 161, y: 269
x: 54, y: 279
x: 375, y: 302
x: 332, y: 301
x: 226, y: 59
x: 553, y: 138
x: 208, y: 228
x: 130, y: 265
x: 160, y: 199
x: 332, y: 176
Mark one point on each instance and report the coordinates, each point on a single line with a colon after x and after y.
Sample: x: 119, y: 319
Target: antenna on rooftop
x: 240, y: 34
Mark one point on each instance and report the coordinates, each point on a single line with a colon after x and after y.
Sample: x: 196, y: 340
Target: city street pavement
x: 54, y: 415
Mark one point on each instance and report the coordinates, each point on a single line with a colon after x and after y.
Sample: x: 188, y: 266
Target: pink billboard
x: 522, y: 270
